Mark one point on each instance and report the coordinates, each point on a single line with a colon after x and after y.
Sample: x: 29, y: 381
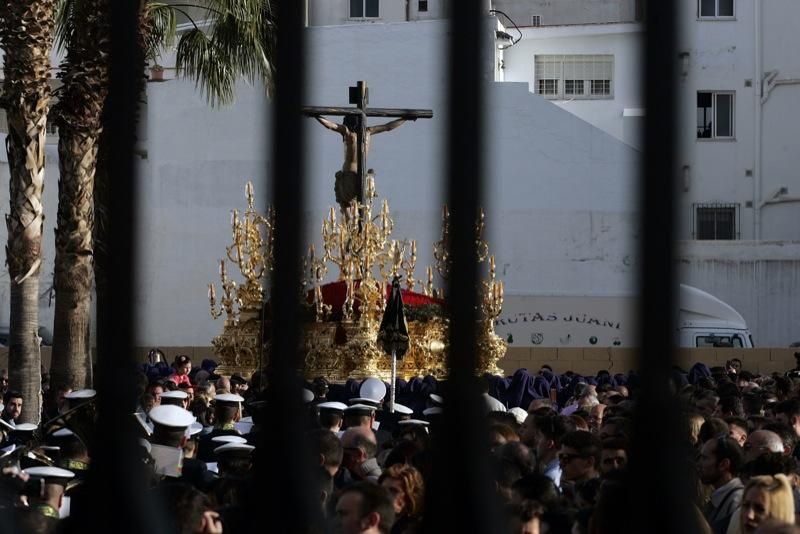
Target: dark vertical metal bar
x: 116, y: 492
x: 282, y: 493
x: 460, y: 455
x: 658, y: 466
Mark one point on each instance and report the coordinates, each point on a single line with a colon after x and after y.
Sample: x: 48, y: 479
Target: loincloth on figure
x: 346, y: 187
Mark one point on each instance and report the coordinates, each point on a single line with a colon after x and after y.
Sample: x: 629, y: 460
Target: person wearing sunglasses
x: 579, y: 457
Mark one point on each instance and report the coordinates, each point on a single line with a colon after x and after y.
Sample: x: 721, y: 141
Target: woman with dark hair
x: 182, y: 367
x: 407, y: 489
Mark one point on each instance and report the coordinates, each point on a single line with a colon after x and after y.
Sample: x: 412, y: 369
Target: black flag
x: 393, y: 333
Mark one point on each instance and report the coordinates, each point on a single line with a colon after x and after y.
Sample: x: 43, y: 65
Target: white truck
x: 611, y: 321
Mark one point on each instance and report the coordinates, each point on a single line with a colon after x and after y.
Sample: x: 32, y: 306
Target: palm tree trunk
x: 85, y: 75
x: 25, y: 145
x: 26, y: 34
x: 71, y: 362
x: 24, y: 356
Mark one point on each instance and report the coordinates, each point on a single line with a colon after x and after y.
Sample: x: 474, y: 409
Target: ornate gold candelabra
x: 341, y: 342
x: 441, y: 248
x: 251, y: 250
x: 314, y: 271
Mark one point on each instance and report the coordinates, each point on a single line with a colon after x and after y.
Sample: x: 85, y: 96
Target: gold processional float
x: 339, y: 336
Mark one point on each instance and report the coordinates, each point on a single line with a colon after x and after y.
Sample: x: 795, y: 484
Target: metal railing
x: 461, y: 493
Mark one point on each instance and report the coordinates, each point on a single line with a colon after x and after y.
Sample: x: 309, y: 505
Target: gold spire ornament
x: 340, y: 334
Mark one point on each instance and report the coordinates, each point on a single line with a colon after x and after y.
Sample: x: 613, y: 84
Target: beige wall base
x: 586, y: 361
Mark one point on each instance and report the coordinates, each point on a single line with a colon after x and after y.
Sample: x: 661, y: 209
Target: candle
x: 233, y: 217
x: 248, y: 189
x: 211, y: 293
x: 332, y: 215
x: 413, y: 247
x: 491, y: 263
x: 222, y: 267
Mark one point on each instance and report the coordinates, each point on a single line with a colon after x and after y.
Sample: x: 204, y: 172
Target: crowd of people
x: 557, y: 444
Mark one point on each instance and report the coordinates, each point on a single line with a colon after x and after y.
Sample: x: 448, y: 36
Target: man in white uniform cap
x: 54, y: 480
x: 227, y: 411
x: 169, y: 437
x: 175, y: 398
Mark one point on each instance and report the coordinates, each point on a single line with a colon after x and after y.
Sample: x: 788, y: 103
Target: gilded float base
x: 341, y: 351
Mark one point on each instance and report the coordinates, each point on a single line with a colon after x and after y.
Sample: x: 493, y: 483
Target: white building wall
x: 722, y: 56
x: 623, y: 41
x: 760, y: 279
x: 437, y: 10
x: 337, y: 12
x: 568, y: 11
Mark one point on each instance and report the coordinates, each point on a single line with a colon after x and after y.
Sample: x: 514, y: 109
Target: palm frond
x: 164, y: 28
x: 240, y: 41
x: 65, y: 22
x: 199, y: 58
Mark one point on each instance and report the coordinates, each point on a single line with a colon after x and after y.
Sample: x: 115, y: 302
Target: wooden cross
x: 359, y: 95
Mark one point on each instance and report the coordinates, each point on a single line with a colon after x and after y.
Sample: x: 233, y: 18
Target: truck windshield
x: 719, y: 341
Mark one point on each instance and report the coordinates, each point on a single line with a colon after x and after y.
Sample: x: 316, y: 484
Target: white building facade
x: 592, y: 71
x: 340, y: 12
x: 740, y: 84
x: 561, y: 12
x: 738, y: 87
x: 738, y: 204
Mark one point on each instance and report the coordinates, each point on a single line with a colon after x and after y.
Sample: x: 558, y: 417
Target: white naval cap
x: 362, y: 409
x: 432, y: 411
x: 62, y: 433
x: 171, y: 416
x: 308, y: 395
x: 437, y: 399
x: 408, y: 422
x: 372, y: 388
x: 174, y: 394
x: 228, y: 397
x: 519, y: 414
x: 234, y: 449
x: 229, y: 439
x: 25, y: 427
x: 364, y: 400
x: 81, y: 394
x: 333, y: 406
x: 52, y: 475
x: 194, y: 429
x: 402, y: 409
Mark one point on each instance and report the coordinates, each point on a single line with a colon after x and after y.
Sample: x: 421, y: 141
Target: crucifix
x: 351, y: 180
